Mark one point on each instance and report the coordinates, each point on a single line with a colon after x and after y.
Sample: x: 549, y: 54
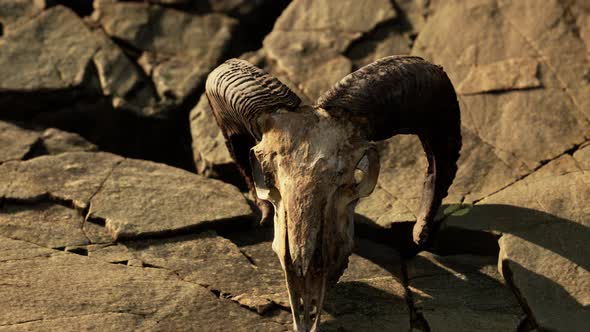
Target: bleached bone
x: 311, y: 164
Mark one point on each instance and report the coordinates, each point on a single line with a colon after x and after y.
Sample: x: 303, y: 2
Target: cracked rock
x: 462, y: 293
x: 57, y: 141
x: 497, y: 36
x: 102, y: 296
x: 58, y: 66
x: 15, y: 12
x: 184, y: 48
x: 45, y: 224
x: 543, y: 222
x: 205, y: 259
x: 15, y: 142
x: 142, y: 198
x: 209, y: 150
x: 73, y: 177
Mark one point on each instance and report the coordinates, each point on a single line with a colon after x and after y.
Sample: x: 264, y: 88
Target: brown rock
x: 543, y: 222
x: 512, y: 122
x: 45, y: 224
x: 57, y: 141
x: 309, y: 38
x: 57, y: 65
x: 142, y: 198
x: 511, y: 74
x: 582, y: 156
x: 186, y: 47
x: 335, y: 16
x: 462, y: 293
x: 74, y: 177
x: 15, y: 142
x: 15, y: 12
x: 205, y: 259
x: 108, y: 297
x: 209, y: 150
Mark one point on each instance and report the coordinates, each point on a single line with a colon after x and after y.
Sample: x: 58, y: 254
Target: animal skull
x: 310, y: 165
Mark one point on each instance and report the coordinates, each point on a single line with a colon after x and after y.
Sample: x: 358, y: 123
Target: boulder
x: 59, y: 66
x: 57, y: 141
x: 183, y: 50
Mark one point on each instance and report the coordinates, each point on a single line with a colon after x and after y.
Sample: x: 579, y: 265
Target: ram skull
x: 309, y: 165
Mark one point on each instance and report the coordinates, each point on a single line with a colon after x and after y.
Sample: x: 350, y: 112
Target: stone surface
x: 511, y: 122
x: 185, y: 47
x: 503, y: 71
x: 57, y: 141
x: 15, y: 12
x: 98, y: 295
x: 15, y: 142
x: 582, y: 157
x: 543, y: 222
x: 45, y: 224
x: 142, y: 198
x: 205, y: 259
x: 209, y: 150
x: 462, y: 293
x: 309, y: 38
x: 59, y: 65
x: 73, y: 177
x: 511, y: 74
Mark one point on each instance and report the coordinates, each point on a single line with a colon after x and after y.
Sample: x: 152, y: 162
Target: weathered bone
x: 314, y: 163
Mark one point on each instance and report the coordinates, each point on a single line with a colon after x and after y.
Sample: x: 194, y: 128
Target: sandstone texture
x: 121, y: 208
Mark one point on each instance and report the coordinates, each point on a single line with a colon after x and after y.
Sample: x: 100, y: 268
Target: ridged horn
x: 406, y: 95
x: 239, y: 92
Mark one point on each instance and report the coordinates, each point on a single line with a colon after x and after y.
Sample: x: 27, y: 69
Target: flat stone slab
x: 73, y: 177
x: 142, y: 198
x: 131, y: 197
x: 205, y: 259
x: 57, y: 65
x: 15, y: 142
x: 209, y: 150
x: 45, y: 224
x: 98, y: 295
x: 183, y: 49
x: 542, y: 224
x: 462, y: 293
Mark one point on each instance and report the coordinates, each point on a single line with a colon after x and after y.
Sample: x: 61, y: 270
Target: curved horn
x: 238, y: 93
x: 406, y: 95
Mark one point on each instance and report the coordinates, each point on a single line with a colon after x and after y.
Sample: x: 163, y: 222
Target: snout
x: 306, y: 296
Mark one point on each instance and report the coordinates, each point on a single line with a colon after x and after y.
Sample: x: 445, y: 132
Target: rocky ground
x: 120, y: 208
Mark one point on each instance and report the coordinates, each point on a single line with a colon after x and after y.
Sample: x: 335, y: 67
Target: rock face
x: 542, y: 222
x: 119, y: 297
x: 118, y: 240
x: 179, y: 54
x: 132, y: 197
x: 462, y: 293
x: 172, y: 200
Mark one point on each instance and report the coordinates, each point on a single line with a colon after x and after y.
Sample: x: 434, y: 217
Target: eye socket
x: 361, y: 170
x: 264, y: 185
x: 367, y: 172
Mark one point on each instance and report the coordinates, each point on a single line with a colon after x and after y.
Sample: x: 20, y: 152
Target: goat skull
x: 314, y: 163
